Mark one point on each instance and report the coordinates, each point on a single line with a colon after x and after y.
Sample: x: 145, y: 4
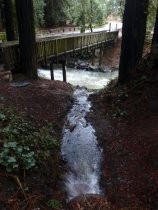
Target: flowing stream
x: 89, y: 79
x: 80, y: 149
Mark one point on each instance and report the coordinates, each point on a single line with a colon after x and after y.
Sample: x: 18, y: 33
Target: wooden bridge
x: 56, y: 47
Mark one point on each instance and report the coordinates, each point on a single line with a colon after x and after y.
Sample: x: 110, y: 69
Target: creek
x: 88, y: 79
x: 80, y: 148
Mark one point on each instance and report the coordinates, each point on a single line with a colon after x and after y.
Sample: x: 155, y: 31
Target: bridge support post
x: 64, y: 70
x: 93, y: 57
x: 45, y: 55
x: 100, y: 56
x: 52, y: 71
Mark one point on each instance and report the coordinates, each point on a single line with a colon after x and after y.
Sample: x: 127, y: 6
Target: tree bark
x: 154, y: 46
x: 9, y: 20
x: 83, y: 20
x: 2, y: 14
x: 1, y: 22
x: 133, y: 36
x: 27, y: 41
x: 91, y: 16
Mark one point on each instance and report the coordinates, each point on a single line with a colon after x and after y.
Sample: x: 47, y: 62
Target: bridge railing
x: 47, y: 48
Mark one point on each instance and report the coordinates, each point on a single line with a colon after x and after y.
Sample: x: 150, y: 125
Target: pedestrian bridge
x: 56, y: 47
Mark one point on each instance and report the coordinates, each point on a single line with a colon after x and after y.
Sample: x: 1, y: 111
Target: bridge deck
x: 48, y: 48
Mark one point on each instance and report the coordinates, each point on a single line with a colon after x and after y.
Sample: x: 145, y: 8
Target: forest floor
x: 126, y: 123
x: 43, y: 105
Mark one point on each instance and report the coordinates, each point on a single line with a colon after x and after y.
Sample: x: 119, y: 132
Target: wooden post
x: 81, y: 44
x: 100, y: 57
x: 64, y: 70
x: 45, y: 55
x: 104, y: 48
x: 56, y: 47
x: 87, y: 48
x: 52, y: 71
x: 74, y: 47
x: 93, y: 57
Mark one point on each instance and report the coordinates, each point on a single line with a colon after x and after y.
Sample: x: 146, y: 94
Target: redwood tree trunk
x: 9, y: 20
x: 1, y: 22
x: 133, y: 35
x: 27, y: 41
x: 154, y: 46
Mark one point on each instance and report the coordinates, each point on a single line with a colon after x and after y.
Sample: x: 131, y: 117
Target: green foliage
x: 39, y: 12
x: 153, y: 4
x: 3, y: 36
x: 80, y: 12
x: 55, y: 204
x: 22, y: 145
x: 55, y: 12
x: 85, y: 13
x: 94, y: 14
x: 15, y: 156
x: 114, y: 7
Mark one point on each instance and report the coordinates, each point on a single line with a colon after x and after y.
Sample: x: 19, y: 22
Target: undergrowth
x: 24, y: 146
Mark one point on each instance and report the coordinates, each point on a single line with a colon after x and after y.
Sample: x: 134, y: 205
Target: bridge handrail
x: 53, y: 46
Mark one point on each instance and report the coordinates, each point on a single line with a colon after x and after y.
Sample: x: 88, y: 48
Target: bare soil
x: 126, y: 120
x: 40, y: 102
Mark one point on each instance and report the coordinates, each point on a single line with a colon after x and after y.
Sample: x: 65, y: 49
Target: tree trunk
x: 133, y: 35
x: 91, y: 27
x: 91, y: 16
x: 2, y: 14
x: 9, y: 20
x: 48, y: 13
x: 1, y: 22
x: 154, y: 46
x: 27, y: 41
x: 83, y: 24
x: 83, y: 18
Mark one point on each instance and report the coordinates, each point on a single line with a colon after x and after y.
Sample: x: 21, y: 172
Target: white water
x: 91, y: 80
x: 79, y: 146
x: 80, y: 150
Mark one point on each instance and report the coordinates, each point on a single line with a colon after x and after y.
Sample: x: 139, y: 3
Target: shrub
x: 23, y: 145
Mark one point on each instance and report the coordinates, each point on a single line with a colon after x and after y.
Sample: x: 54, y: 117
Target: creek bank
x: 89, y: 202
x: 87, y: 66
x: 40, y: 103
x: 126, y: 123
x: 89, y: 62
x: 81, y: 65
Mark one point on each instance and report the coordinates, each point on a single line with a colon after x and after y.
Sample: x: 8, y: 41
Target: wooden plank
x: 55, y: 46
